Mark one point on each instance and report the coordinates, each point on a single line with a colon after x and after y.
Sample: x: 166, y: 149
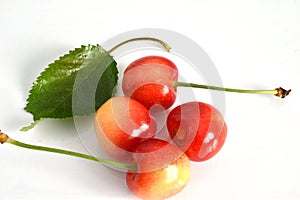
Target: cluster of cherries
x: 126, y: 129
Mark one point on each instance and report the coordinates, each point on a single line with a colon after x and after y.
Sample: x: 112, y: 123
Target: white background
x: 254, y: 44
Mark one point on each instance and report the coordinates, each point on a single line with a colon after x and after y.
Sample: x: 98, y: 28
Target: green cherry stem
x: 165, y: 45
x: 5, y: 139
x: 279, y: 92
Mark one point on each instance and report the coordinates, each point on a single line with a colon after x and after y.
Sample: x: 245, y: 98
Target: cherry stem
x: 280, y: 92
x: 165, y: 45
x: 5, y: 139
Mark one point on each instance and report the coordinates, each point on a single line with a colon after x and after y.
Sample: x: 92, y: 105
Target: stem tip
x: 3, y: 137
x: 282, y: 92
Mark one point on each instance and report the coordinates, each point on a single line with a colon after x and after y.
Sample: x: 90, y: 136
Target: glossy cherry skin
x: 198, y: 129
x: 163, y: 170
x: 149, y: 80
x: 121, y: 123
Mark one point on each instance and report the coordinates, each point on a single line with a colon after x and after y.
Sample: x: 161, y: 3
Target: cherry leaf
x: 78, y: 83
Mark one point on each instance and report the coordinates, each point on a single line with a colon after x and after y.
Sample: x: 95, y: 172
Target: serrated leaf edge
x: 35, y: 122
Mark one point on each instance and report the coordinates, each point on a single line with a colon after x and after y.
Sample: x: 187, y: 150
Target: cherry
x: 163, y: 170
x: 152, y: 80
x: 149, y: 80
x: 129, y: 88
x: 198, y: 129
x: 121, y: 123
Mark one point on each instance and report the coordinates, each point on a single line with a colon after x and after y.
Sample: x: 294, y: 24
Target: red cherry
x: 163, y: 170
x: 198, y: 129
x: 149, y: 80
x: 121, y: 123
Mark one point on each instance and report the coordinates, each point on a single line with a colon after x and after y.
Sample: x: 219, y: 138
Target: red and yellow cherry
x: 198, y: 129
x: 163, y: 170
x: 149, y: 80
x: 120, y: 123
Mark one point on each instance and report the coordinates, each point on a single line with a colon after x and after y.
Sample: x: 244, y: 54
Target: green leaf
x: 78, y: 83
